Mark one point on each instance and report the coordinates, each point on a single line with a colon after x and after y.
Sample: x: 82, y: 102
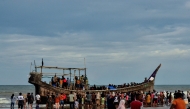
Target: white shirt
x: 76, y: 104
x: 20, y: 97
x: 71, y: 96
x: 116, y: 99
x: 98, y: 96
x: 37, y: 97
x: 14, y: 99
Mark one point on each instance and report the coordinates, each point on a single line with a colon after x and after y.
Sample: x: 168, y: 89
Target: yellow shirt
x: 148, y: 99
x: 179, y: 103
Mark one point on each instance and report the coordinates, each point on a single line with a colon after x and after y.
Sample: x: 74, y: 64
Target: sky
x: 122, y: 41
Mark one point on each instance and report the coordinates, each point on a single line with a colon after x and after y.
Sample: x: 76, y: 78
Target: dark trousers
x: 72, y: 105
x: 12, y: 105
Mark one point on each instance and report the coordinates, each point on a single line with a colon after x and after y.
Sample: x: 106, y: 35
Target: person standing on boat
x: 68, y: 82
x: 61, y: 82
x: 13, y: 100
x: 55, y: 80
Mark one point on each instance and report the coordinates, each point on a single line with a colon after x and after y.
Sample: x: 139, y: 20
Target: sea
x: 7, y: 90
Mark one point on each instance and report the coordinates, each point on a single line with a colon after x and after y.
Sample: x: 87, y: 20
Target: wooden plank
x: 61, y: 68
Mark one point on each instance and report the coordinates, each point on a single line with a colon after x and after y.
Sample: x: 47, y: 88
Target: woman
x: 98, y: 99
x: 188, y: 96
x: 57, y: 101
x: 121, y: 104
x: 13, y: 100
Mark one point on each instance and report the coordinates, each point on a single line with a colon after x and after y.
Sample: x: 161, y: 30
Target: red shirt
x: 136, y: 104
x: 62, y: 97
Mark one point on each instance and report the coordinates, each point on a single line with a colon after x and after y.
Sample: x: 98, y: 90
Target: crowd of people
x: 66, y: 82
x: 109, y: 100
x: 25, y: 101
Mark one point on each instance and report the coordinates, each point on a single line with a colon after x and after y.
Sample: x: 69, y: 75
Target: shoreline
x: 66, y: 106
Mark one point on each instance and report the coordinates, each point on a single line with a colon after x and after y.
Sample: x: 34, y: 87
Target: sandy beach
x: 67, y: 107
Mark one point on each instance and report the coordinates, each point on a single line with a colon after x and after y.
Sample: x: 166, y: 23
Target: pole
x: 70, y: 75
x: 41, y: 69
x: 30, y: 66
x: 79, y: 73
x: 74, y: 78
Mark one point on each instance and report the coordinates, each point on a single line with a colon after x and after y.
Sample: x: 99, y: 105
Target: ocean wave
x: 4, y: 100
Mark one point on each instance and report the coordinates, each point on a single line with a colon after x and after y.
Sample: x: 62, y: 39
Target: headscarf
x: 121, y: 104
x: 113, y: 94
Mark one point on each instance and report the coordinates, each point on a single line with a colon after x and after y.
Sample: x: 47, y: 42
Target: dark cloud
x: 128, y: 38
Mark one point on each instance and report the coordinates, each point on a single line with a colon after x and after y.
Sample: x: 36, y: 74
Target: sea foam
x: 4, y: 100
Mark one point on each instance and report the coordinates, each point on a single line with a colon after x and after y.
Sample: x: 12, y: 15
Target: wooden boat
x: 44, y: 88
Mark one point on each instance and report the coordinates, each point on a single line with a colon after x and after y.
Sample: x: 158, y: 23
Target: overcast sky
x: 122, y: 41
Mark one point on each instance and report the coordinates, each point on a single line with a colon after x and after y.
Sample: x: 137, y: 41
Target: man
x: 71, y: 100
x: 62, y: 98
x: 136, y: 104
x: 37, y: 101
x: 31, y: 101
x: 20, y: 99
x: 178, y: 103
x: 88, y: 99
x: 68, y: 83
x: 49, y: 103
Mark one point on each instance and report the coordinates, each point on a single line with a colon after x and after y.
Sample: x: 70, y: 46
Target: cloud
x: 124, y: 38
x: 187, y: 5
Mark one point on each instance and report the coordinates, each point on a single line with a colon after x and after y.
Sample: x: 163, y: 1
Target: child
x: 76, y: 104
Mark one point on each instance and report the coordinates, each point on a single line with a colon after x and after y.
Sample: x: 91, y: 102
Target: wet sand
x: 94, y: 107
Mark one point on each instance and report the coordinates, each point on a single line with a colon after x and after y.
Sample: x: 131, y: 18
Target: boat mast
x: 35, y: 66
x: 42, y: 65
x: 85, y: 71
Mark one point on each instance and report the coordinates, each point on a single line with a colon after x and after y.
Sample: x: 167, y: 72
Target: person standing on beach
x: 62, y: 98
x: 13, y: 100
x: 71, y: 100
x: 188, y: 96
x: 31, y: 100
x: 137, y: 104
x: 20, y: 100
x: 28, y: 98
x: 110, y: 100
x: 121, y: 104
x: 178, y: 103
x: 98, y: 99
x: 37, y: 101
x: 88, y: 99
x: 49, y: 103
x: 57, y: 101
